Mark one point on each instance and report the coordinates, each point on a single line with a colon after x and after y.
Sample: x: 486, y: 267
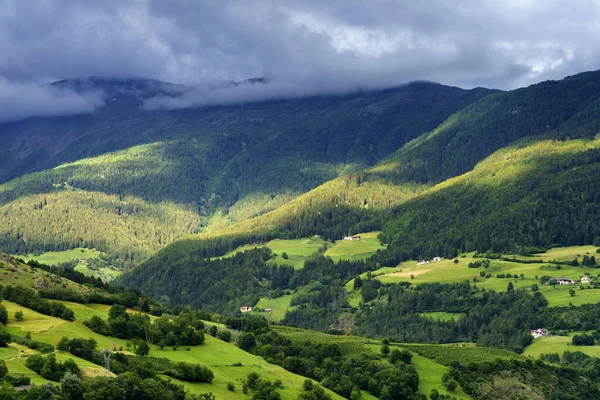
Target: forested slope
x: 539, y: 191
x: 212, y: 166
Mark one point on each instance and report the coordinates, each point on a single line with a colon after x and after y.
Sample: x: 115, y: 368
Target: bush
x: 224, y: 335
x: 583, y: 340
x: 231, y: 387
x: 19, y: 315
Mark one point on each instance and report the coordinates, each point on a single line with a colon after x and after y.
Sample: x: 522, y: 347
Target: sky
x: 302, y: 47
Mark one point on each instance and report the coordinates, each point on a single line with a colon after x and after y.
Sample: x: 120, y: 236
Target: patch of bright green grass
x: 430, y: 377
x: 58, y: 257
x: 13, y: 272
x: 7, y: 352
x: 347, y: 344
x: 33, y: 321
x: 17, y: 366
x: 559, y: 295
x: 465, y: 353
x: 278, y: 306
x: 441, y: 316
x: 355, y: 249
x: 558, y: 344
x: 297, y: 250
x: 220, y: 357
x: 104, y: 273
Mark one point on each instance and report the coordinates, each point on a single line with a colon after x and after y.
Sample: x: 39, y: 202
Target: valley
x: 393, y: 244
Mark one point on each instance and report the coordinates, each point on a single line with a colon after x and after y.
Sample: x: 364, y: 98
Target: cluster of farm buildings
x: 427, y: 260
x: 566, y: 281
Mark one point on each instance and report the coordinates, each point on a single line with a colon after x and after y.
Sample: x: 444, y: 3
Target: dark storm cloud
x: 303, y: 47
x: 22, y: 100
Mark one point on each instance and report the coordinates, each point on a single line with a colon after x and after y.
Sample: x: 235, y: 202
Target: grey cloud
x: 22, y: 100
x: 302, y: 46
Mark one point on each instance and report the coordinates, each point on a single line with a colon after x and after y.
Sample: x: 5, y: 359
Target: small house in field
x: 83, y: 260
x: 355, y: 237
x: 586, y: 279
x: 536, y: 333
x: 424, y: 261
x: 268, y: 310
x: 437, y: 259
x: 245, y: 309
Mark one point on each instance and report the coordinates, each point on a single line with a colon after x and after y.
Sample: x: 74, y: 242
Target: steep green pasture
x: 347, y: 344
x: 355, y: 249
x: 446, y: 271
x: 560, y: 296
x: 558, y: 344
x: 58, y: 257
x: 33, y: 321
x: 15, y: 273
x: 17, y: 366
x: 279, y: 306
x: 430, y: 377
x: 220, y: 357
x: 7, y: 353
x: 297, y: 250
x: 463, y: 352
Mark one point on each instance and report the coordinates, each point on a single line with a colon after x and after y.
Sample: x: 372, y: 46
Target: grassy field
x: 465, y: 353
x: 104, y: 273
x: 279, y: 306
x: 447, y: 271
x: 220, y: 357
x: 33, y: 321
x: 430, y: 377
x: 7, y: 352
x: 58, y: 257
x: 355, y: 249
x: 216, y: 354
x: 441, y: 316
x: 297, y: 250
x: 558, y: 344
x: 16, y: 273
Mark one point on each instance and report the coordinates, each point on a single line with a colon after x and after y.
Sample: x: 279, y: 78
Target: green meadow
x: 355, y: 249
x: 430, y: 377
x: 278, y: 307
x: 447, y: 271
x: 558, y: 344
x: 214, y: 353
x: 297, y: 250
x: 220, y: 357
x: 58, y: 257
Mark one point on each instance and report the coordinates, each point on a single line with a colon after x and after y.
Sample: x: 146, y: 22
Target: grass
x: 7, y: 352
x: 220, y: 357
x: 17, y: 366
x: 559, y: 295
x: 33, y: 321
x: 278, y: 306
x: 446, y: 271
x: 105, y: 273
x: 441, y: 316
x: 558, y: 344
x: 465, y: 353
x: 15, y: 273
x: 430, y: 377
x: 59, y: 257
x: 355, y: 249
x: 297, y: 250
x: 214, y: 353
